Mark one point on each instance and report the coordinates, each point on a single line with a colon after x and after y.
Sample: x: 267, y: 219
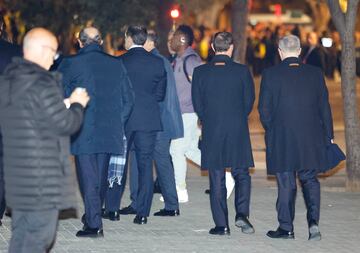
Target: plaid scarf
x: 116, y: 167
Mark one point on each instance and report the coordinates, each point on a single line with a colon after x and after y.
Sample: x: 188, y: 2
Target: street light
x: 174, y: 14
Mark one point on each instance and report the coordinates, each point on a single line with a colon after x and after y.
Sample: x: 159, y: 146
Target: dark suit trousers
x: 164, y: 171
x: 285, y: 204
x: 2, y: 186
x: 218, y: 194
x: 144, y: 144
x: 92, y: 171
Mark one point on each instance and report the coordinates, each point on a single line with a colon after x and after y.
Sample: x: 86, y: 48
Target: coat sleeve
x: 66, y: 71
x: 325, y: 109
x: 62, y: 121
x: 249, y: 91
x: 196, y: 94
x: 161, y: 84
x: 128, y: 96
x: 265, y: 106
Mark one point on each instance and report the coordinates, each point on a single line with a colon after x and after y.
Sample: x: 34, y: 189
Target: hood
x: 18, y: 76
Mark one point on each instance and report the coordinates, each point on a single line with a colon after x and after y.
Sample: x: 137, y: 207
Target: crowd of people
x: 125, y: 113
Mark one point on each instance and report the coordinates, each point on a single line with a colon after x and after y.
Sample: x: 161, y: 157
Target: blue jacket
x: 170, y: 108
x: 111, y: 99
x: 148, y: 78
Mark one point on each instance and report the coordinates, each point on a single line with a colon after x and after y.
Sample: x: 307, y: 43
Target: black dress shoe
x: 141, y: 220
x: 113, y: 216
x: 245, y: 225
x: 127, y: 210
x: 220, y: 231
x: 90, y: 232
x: 164, y: 212
x: 281, y: 234
x: 314, y: 232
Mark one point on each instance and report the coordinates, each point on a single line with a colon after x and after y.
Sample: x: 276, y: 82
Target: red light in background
x: 278, y: 10
x: 175, y: 13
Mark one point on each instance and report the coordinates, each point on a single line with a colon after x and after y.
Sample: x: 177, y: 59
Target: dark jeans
x: 92, y: 171
x: 218, y: 194
x: 33, y: 232
x: 285, y: 204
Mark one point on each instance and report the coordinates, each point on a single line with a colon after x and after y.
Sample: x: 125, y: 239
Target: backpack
x: 184, y: 67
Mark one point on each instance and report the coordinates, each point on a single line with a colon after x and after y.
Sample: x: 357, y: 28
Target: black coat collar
x: 221, y: 58
x: 91, y: 47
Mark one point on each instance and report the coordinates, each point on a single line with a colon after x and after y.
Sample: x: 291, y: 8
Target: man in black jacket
x: 148, y: 77
x: 223, y: 96
x: 295, y: 112
x: 7, y: 52
x: 38, y: 179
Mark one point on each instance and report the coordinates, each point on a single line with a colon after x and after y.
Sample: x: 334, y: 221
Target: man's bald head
x: 40, y: 46
x: 89, y: 35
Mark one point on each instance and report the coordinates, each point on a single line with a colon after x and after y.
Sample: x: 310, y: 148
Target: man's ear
x: 212, y: 46
x: 101, y: 42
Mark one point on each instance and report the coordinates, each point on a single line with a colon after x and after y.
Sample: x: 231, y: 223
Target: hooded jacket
x: 35, y: 125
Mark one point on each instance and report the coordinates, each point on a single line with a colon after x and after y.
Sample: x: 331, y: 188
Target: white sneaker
x: 183, y: 196
x: 161, y: 198
x: 230, y: 184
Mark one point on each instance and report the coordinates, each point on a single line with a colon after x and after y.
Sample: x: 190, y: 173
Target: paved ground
x: 188, y: 233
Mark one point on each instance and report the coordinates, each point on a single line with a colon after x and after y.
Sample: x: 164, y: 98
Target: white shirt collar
x: 134, y: 46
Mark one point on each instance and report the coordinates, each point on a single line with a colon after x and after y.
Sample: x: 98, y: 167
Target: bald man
x: 101, y: 135
x: 35, y: 125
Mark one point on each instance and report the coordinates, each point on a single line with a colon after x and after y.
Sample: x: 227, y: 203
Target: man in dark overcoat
x: 223, y: 97
x: 101, y: 135
x: 295, y: 112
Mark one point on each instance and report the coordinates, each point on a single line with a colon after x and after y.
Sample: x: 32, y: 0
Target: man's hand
x: 79, y: 96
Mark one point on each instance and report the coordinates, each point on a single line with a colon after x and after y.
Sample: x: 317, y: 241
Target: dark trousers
x: 33, y: 232
x: 285, y: 204
x: 164, y: 171
x: 143, y: 143
x: 218, y: 194
x: 92, y: 171
x: 2, y: 187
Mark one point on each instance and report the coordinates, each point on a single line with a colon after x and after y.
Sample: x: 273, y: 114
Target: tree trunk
x: 240, y: 12
x: 345, y: 24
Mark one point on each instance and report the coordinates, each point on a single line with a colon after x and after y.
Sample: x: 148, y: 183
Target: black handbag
x: 334, y: 156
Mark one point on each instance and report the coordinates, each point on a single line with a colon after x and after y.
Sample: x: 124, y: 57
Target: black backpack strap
x: 184, y: 66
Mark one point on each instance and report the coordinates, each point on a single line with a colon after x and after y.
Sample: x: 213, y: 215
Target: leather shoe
x: 281, y: 234
x: 113, y: 216
x: 164, y: 212
x: 141, y: 220
x: 90, y: 232
x: 219, y: 231
x: 127, y: 210
x: 314, y: 232
x: 245, y: 225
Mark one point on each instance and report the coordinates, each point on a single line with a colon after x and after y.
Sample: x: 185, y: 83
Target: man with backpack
x: 187, y: 147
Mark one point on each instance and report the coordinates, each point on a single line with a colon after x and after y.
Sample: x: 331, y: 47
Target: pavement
x: 188, y: 233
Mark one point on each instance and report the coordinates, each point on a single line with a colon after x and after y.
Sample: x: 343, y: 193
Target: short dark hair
x: 137, y: 33
x: 187, y: 32
x: 222, y: 41
x: 154, y: 37
x: 86, y: 40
